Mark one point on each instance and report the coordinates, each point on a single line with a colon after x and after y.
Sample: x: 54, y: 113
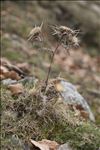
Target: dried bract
x: 35, y: 34
x: 67, y: 36
x: 62, y: 30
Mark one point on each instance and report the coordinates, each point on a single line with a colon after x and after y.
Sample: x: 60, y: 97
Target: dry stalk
x: 51, y: 62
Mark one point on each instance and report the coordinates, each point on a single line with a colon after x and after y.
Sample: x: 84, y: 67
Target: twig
x: 52, y: 58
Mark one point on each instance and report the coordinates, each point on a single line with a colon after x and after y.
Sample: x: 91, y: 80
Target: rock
x: 8, y: 81
x: 64, y: 147
x: 30, y: 80
x: 15, y: 140
x: 72, y: 97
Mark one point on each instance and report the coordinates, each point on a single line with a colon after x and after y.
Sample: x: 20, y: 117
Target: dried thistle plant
x: 36, y: 33
x: 67, y: 35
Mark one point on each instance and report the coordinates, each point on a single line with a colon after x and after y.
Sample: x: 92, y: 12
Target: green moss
x: 5, y: 43
x: 13, y: 55
x: 85, y: 136
x: 8, y: 51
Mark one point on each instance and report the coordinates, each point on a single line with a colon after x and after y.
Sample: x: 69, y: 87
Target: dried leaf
x: 3, y: 70
x: 2, y: 77
x: 52, y: 144
x: 24, y: 67
x: 40, y: 146
x: 79, y: 107
x: 45, y: 144
x: 12, y: 75
x: 59, y: 87
x: 16, y: 88
x: 84, y: 114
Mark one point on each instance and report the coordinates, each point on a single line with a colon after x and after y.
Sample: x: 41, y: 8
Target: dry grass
x: 31, y: 116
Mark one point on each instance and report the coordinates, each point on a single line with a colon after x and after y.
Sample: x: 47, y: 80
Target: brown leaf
x: 13, y: 75
x: 45, y: 144
x: 5, y: 73
x: 59, y: 87
x: 52, y: 144
x: 3, y: 70
x: 79, y: 107
x: 24, y: 67
x: 40, y: 146
x: 2, y: 77
x: 16, y: 88
x: 84, y: 114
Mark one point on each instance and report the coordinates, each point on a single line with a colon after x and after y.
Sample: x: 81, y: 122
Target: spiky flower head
x: 36, y: 33
x: 67, y: 36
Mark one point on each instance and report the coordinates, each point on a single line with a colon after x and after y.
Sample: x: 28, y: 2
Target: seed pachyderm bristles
x: 36, y: 33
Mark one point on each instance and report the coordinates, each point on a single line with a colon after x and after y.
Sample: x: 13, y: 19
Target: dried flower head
x: 36, y: 33
x: 67, y: 36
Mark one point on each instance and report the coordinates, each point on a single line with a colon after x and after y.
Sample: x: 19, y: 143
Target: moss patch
x: 27, y: 117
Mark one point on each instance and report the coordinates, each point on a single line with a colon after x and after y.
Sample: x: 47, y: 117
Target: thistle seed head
x: 36, y: 33
x: 68, y: 36
x: 62, y: 30
x: 74, y: 42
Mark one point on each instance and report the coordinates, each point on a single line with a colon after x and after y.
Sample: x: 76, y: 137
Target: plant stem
x: 51, y: 62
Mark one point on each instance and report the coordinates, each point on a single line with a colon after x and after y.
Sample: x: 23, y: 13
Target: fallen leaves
x: 59, y: 87
x: 45, y: 144
x: 8, y: 71
x: 80, y: 64
x: 12, y: 75
x: 2, y: 77
x: 40, y: 146
x: 3, y: 72
x: 16, y: 88
x: 49, y: 145
x: 24, y: 67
